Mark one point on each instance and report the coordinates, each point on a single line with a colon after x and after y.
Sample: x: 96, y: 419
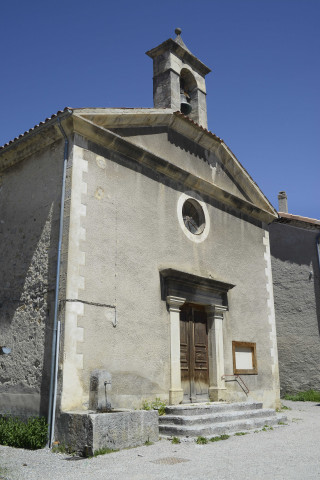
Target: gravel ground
x: 287, y: 452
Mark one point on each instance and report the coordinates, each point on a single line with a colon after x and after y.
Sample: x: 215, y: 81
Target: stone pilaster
x: 217, y: 388
x: 175, y: 392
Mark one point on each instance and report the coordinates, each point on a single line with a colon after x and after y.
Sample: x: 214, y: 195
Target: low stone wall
x: 85, y: 432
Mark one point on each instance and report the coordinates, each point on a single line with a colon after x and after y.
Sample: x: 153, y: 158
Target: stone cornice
x: 172, y: 46
x: 118, y: 118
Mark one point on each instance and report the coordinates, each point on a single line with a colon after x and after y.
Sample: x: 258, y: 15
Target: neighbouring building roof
x: 298, y: 221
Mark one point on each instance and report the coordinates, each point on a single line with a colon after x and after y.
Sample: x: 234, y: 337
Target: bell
x: 185, y: 106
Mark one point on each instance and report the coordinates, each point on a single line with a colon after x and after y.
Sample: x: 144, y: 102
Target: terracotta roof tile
x: 179, y: 114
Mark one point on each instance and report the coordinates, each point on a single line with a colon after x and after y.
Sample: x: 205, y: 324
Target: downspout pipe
x: 56, y: 323
x: 318, y: 249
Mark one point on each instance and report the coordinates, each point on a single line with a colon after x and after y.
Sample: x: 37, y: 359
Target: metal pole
x: 56, y: 324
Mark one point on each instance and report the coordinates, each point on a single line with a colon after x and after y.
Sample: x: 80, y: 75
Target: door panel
x: 201, y: 371
x: 194, y: 353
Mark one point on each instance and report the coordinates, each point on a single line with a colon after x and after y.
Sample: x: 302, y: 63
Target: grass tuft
x: 241, y: 433
x: 283, y: 407
x: 221, y: 437
x: 175, y: 440
x: 103, y: 451
x: 308, y: 396
x: 156, y: 404
x: 201, y: 440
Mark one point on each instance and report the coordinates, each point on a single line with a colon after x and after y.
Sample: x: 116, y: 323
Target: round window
x: 193, y: 216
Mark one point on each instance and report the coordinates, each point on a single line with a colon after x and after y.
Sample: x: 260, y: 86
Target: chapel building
x: 135, y: 243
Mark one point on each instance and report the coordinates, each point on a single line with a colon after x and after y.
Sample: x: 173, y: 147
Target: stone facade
x: 296, y: 276
x: 159, y: 218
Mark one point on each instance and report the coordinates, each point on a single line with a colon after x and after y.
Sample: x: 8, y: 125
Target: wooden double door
x: 194, y: 353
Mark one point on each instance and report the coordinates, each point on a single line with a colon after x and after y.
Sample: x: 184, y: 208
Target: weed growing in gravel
x: 282, y: 423
x: 283, y: 407
x: 62, y: 448
x: 148, y: 443
x: 217, y: 439
x: 30, y: 434
x: 308, y: 396
x: 175, y: 440
x: 201, y: 440
x: 241, y: 433
x: 3, y: 473
x: 266, y: 428
x: 103, y: 451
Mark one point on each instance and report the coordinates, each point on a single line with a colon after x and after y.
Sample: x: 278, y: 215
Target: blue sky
x: 263, y: 93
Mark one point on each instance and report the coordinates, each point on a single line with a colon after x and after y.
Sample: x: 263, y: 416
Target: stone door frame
x: 178, y: 288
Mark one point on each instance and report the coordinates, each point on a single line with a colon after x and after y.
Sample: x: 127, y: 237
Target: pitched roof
x: 112, y: 118
x: 180, y: 42
x: 35, y: 128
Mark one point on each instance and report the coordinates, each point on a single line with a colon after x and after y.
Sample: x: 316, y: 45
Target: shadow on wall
x: 30, y: 224
x: 295, y: 264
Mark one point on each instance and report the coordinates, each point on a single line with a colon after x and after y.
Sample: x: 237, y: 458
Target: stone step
x: 216, y: 429
x: 212, y: 418
x: 208, y: 408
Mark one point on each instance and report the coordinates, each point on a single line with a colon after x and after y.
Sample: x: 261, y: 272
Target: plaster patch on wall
x: 72, y: 391
x: 99, y: 193
x: 271, y: 317
x: 101, y: 162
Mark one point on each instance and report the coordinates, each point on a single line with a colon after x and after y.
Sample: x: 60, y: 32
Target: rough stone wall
x: 295, y: 272
x: 128, y: 229
x: 29, y: 222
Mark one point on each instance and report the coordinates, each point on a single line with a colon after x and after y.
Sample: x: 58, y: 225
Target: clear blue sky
x: 263, y: 92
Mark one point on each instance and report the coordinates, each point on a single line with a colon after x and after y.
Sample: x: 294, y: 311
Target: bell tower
x: 179, y: 79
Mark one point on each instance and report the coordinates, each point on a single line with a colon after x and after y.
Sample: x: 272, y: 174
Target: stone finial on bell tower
x: 179, y: 79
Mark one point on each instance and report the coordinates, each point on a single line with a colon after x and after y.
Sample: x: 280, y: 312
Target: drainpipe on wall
x: 56, y: 323
x: 318, y: 249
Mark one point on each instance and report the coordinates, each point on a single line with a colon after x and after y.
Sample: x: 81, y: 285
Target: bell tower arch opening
x: 179, y: 79
x: 188, y: 92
